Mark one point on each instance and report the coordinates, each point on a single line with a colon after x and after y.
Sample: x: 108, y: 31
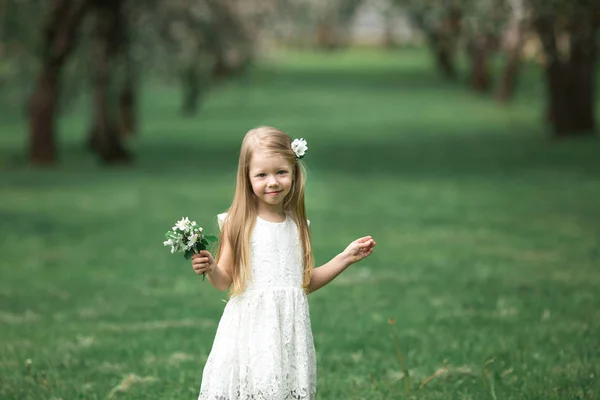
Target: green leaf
x: 211, y: 238
x: 188, y: 254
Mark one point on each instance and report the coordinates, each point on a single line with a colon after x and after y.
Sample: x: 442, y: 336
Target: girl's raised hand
x: 203, y: 262
x: 359, y: 249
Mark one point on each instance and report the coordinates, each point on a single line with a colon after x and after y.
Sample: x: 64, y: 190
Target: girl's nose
x: 271, y: 181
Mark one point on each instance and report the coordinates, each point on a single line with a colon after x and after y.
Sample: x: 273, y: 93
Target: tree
x: 19, y: 36
x: 207, y: 41
x: 441, y: 22
x: 105, y: 137
x: 485, y: 20
x: 186, y: 31
x: 332, y: 18
x: 568, y: 31
x: 222, y: 35
x: 59, y: 34
x: 514, y: 37
x: 132, y: 13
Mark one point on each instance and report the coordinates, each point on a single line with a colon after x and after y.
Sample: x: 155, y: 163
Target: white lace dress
x: 263, y: 348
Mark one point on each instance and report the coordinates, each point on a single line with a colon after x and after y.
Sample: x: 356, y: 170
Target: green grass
x: 488, y: 239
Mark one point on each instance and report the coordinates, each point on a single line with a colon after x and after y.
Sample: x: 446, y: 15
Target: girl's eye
x: 261, y: 175
x: 282, y: 172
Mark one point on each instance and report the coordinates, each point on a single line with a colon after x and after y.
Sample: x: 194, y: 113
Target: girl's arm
x: 219, y: 275
x: 356, y: 251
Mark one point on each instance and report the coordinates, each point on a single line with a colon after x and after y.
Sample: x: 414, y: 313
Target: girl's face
x: 271, y: 177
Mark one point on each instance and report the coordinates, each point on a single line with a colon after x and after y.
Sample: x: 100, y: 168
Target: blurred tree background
x: 52, y: 50
x: 461, y: 134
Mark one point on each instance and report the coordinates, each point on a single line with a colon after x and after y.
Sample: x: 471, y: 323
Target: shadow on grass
x: 400, y: 157
x: 355, y: 79
x: 464, y: 157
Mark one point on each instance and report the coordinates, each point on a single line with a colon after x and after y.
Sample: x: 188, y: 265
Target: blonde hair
x: 241, y: 216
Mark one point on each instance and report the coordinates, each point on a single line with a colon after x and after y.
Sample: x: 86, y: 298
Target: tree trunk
x: 571, y: 98
x: 570, y: 80
x: 444, y: 59
x: 220, y: 68
x: 325, y: 35
x: 127, y: 97
x: 508, y: 82
x: 127, y: 101
x: 389, y: 41
x: 582, y: 64
x: 42, y: 149
x: 443, y: 54
x: 480, y: 80
x: 442, y: 42
x: 59, y: 38
x: 105, y: 139
x: 190, y: 83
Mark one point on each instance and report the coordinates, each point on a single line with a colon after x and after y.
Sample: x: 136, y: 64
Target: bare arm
x: 326, y: 273
x: 356, y: 251
x: 219, y: 275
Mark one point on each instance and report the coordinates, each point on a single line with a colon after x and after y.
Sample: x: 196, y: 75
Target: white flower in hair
x: 299, y: 147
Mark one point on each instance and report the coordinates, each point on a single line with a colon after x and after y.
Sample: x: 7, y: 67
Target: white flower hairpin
x: 299, y: 147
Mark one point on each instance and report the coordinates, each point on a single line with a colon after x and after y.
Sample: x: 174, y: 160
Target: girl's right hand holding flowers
x: 203, y: 263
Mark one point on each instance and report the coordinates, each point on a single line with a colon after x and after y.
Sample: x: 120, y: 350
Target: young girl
x: 263, y: 347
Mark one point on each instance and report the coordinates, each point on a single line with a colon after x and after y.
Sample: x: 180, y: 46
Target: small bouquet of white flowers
x: 187, y: 237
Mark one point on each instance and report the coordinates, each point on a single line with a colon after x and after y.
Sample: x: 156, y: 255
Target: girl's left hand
x: 359, y: 249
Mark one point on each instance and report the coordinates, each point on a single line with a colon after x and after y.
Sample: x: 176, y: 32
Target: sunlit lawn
x: 488, y: 240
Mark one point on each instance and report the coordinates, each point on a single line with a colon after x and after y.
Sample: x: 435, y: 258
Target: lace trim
x: 299, y: 394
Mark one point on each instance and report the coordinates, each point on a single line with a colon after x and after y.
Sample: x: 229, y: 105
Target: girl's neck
x: 271, y: 214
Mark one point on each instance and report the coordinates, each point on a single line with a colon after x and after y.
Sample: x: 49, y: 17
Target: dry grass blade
x: 437, y: 373
x: 392, y: 322
x: 127, y: 382
x: 489, y: 384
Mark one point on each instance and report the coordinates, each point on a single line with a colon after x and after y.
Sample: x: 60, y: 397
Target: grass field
x: 488, y: 240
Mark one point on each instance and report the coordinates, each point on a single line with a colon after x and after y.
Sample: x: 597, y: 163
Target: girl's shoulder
x: 291, y: 215
x: 221, y: 219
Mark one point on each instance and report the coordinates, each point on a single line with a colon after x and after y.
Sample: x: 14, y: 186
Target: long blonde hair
x: 242, y: 214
